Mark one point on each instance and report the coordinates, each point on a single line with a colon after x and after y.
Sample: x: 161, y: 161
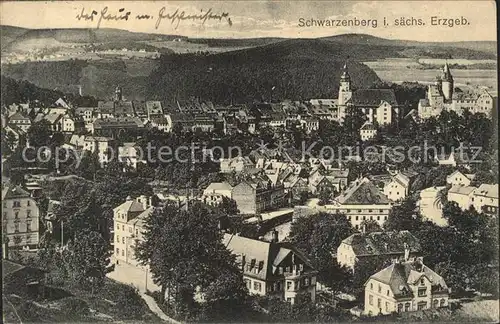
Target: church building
x: 379, y: 105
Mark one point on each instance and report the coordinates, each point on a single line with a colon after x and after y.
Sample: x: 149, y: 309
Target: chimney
x: 275, y: 237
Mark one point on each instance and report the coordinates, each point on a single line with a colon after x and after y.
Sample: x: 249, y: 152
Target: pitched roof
x: 14, y: 192
x: 18, y: 116
x: 368, y: 126
x: 373, y: 97
x: 400, y: 275
x: 130, y: 206
x: 381, y: 243
x: 140, y: 220
x: 487, y: 190
x: 362, y: 192
x: 462, y: 190
x: 267, y: 255
x: 215, y: 186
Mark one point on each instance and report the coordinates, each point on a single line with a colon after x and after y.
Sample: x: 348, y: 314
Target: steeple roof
x: 345, y: 74
x: 446, y: 73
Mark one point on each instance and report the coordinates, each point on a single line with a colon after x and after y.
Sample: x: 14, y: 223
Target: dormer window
x: 422, y: 282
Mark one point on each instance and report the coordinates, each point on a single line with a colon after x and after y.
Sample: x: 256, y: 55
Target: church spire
x: 446, y: 73
x: 345, y: 74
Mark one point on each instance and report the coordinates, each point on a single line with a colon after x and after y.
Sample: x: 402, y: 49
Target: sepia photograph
x: 249, y: 161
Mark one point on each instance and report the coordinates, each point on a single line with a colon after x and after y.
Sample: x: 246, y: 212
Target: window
x: 422, y: 282
x: 371, y: 286
x: 388, y: 292
x: 288, y: 285
x: 422, y: 292
x: 28, y: 227
x: 357, y: 217
x: 436, y: 303
x: 441, y: 303
x: 16, y: 204
x: 421, y: 305
x: 400, y: 308
x: 386, y: 306
x: 257, y: 286
x: 123, y: 240
x: 306, y: 282
x: 136, y: 232
x: 370, y: 299
x: 379, y: 289
x: 248, y: 284
x: 28, y: 203
x: 123, y: 252
x: 123, y: 228
x: 28, y: 213
x: 130, y: 229
x: 117, y: 251
x: 117, y: 238
x: 379, y: 303
x: 16, y: 214
x: 378, y: 218
x: 407, y: 307
x: 16, y: 228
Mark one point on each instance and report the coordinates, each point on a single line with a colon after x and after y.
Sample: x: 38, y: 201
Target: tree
x: 39, y: 134
x: 228, y: 206
x: 404, y: 217
x: 325, y: 196
x: 319, y: 236
x: 184, y: 251
x: 88, y: 258
x: 227, y: 299
x: 370, y: 226
x: 363, y: 269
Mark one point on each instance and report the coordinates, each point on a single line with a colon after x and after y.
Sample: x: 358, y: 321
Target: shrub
x: 74, y: 307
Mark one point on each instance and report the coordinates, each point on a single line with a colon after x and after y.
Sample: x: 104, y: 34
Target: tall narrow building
x: 447, y: 83
x: 345, y: 92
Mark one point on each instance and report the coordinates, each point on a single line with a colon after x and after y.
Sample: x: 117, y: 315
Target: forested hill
x: 292, y: 69
x: 14, y: 92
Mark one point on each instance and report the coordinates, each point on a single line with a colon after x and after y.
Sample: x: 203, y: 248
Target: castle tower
x: 345, y: 92
x: 118, y: 94
x: 447, y: 82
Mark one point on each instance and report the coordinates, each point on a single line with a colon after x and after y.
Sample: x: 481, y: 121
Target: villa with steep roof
x: 274, y: 269
x: 362, y: 201
x: 386, y: 245
x: 405, y: 287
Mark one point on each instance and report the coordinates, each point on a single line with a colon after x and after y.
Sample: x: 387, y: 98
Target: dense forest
x: 14, y: 91
x: 299, y: 69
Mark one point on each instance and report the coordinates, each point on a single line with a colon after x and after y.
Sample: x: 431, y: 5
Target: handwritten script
x: 175, y: 17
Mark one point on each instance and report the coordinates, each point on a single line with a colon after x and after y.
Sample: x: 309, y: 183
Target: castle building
x: 379, y: 105
x: 444, y: 96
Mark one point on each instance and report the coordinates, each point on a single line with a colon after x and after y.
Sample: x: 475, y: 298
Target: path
x: 136, y: 276
x: 153, y: 306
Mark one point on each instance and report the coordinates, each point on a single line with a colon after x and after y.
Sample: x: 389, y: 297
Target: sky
x: 266, y: 18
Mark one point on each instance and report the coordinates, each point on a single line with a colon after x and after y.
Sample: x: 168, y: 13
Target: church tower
x: 345, y: 92
x: 447, y: 83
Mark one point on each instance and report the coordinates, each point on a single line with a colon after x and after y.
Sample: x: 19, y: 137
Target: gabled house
x: 368, y: 131
x: 485, y: 199
x: 362, y: 201
x: 213, y: 194
x: 274, y: 269
x: 399, y: 186
x: 458, y: 178
x: 386, y: 245
x: 20, y: 121
x: 463, y: 196
x: 236, y: 164
x: 405, y: 287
